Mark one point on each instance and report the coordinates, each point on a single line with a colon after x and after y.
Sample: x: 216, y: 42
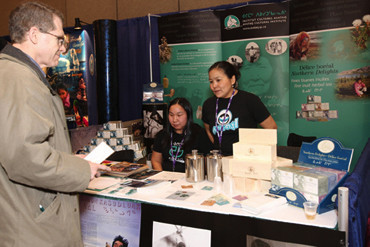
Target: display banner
x: 253, y: 37
x: 70, y: 77
x: 105, y: 220
x: 330, y: 71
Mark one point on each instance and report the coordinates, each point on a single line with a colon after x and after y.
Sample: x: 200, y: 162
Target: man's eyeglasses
x: 61, y: 40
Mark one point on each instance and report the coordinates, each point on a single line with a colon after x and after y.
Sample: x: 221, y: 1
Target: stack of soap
x: 253, y: 158
x: 311, y: 181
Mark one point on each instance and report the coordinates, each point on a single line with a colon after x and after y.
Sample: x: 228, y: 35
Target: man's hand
x: 96, y: 168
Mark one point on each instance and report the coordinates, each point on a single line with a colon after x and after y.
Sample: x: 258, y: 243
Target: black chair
x: 123, y: 155
x: 295, y: 140
x: 288, y: 152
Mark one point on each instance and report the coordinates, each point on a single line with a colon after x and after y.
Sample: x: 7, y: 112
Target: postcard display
x: 118, y: 138
x: 321, y: 169
x: 253, y: 158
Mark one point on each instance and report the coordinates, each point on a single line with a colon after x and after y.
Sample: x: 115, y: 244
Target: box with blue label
x: 329, y: 163
x: 152, y: 93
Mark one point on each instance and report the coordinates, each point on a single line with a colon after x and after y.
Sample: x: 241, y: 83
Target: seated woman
x: 179, y: 137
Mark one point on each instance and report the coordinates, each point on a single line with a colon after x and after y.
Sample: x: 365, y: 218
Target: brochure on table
x: 325, y: 152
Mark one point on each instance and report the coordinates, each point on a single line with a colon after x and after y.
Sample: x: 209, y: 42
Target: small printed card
x: 187, y: 186
x: 240, y: 197
x: 220, y: 199
x: 180, y: 195
x: 207, y: 188
x: 208, y: 202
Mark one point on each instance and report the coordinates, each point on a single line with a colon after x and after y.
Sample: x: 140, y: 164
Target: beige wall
x: 90, y: 10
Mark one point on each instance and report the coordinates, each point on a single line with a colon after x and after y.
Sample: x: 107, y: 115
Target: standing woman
x: 230, y: 109
x: 179, y: 138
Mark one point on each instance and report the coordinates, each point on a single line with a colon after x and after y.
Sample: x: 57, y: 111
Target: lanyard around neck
x: 219, y: 132
x: 178, y: 150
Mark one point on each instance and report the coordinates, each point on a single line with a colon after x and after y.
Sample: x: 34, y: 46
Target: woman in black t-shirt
x: 230, y: 109
x: 179, y: 138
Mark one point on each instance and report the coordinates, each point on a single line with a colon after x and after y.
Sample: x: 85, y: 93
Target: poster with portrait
x: 106, y: 221
x: 70, y: 78
x: 154, y: 119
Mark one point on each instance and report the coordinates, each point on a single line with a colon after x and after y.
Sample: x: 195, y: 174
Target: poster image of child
x: 118, y: 241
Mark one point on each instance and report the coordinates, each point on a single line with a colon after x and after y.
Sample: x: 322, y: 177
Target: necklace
x: 219, y: 132
x: 178, y: 150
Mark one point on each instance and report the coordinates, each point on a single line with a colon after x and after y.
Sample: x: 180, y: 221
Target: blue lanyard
x: 177, y: 152
x: 219, y: 133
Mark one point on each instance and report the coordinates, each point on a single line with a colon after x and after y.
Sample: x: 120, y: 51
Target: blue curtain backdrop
x: 134, y: 63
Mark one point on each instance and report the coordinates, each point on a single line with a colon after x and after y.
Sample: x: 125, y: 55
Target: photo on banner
x: 104, y: 221
x: 167, y: 235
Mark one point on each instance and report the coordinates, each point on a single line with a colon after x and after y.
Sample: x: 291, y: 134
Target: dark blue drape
x: 133, y: 37
x: 358, y: 183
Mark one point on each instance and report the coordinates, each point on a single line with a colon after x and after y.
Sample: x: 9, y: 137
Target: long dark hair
x: 184, y: 103
x: 229, y: 69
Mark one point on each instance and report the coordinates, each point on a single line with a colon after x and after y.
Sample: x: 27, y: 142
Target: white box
x: 127, y: 139
x: 111, y: 142
x: 284, y: 176
x: 103, y: 134
x: 249, y: 168
x: 246, y: 185
x: 258, y: 136
x: 255, y: 151
x: 118, y: 133
x: 315, y: 184
x: 96, y: 141
x: 109, y: 126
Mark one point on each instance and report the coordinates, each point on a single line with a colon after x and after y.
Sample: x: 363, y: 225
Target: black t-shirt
x: 199, y: 141
x: 246, y: 111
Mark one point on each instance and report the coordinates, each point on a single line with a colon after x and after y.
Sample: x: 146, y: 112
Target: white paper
x: 101, y: 183
x: 100, y: 153
x: 165, y: 175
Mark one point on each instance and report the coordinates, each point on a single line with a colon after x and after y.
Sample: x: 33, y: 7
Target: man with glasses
x: 39, y: 175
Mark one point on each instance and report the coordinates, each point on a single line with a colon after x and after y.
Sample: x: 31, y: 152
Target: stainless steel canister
x: 194, y: 171
x: 214, y: 165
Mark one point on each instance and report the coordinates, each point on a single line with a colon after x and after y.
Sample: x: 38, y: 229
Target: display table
x: 228, y: 225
